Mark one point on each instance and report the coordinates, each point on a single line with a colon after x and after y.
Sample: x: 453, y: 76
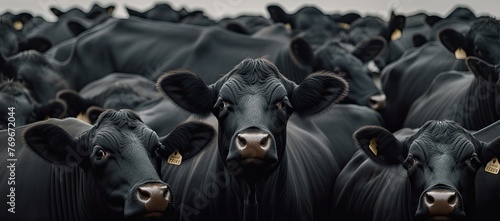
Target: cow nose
x: 253, y: 144
x: 155, y: 197
x: 440, y: 202
x: 377, y: 102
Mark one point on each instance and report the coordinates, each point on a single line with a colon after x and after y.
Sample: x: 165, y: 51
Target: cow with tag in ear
x: 105, y: 171
x: 429, y: 175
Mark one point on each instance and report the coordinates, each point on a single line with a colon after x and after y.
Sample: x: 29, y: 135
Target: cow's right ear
x: 380, y: 145
x: 188, y: 139
x: 187, y: 90
x: 490, y: 151
x: 279, y: 15
x: 454, y: 42
x: 56, y: 11
x: 53, y: 144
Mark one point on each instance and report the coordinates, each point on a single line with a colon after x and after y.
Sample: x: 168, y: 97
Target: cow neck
x: 69, y: 195
x: 290, y: 67
x: 478, y: 108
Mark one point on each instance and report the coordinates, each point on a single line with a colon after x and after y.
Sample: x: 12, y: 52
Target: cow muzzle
x: 254, y: 148
x: 441, y: 204
x: 155, y: 197
x: 377, y: 102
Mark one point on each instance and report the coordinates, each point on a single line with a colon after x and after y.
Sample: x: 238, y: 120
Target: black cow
x: 13, y: 41
x: 427, y: 176
x: 117, y: 91
x: 70, y: 170
x: 161, y: 46
x: 370, y: 26
x: 27, y: 110
x: 261, y: 168
x: 469, y: 99
x: 165, y: 12
x: 37, y: 73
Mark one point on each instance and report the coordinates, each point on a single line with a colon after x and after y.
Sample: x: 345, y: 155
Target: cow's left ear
x: 132, y: 12
x: 56, y: 11
x: 380, y: 145
x: 454, y: 42
x: 369, y: 49
x: 187, y: 90
x: 482, y: 69
x: 318, y: 92
x: 396, y: 26
x: 54, y: 144
x: 279, y: 15
x: 188, y: 139
x: 489, y: 151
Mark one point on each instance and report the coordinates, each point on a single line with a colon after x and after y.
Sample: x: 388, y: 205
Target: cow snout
x: 253, y: 144
x: 440, y: 202
x: 155, y: 197
x: 377, y: 102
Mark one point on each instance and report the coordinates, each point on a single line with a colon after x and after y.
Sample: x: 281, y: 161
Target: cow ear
x: 36, y: 43
x: 380, y: 145
x: 301, y: 51
x: 53, y: 109
x: 53, y: 144
x: 236, y: 27
x: 348, y: 18
x: 489, y: 151
x: 369, y: 49
x: 132, y: 12
x: 75, y: 103
x: 396, y: 26
x: 432, y: 20
x: 482, y: 69
x: 56, y: 12
x: 187, y: 90
x: 76, y: 28
x: 418, y: 40
x: 93, y: 114
x: 110, y: 10
x: 317, y: 92
x: 454, y: 42
x: 279, y: 15
x: 188, y: 139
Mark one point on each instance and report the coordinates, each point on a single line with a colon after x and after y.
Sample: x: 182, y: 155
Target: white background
x: 217, y: 9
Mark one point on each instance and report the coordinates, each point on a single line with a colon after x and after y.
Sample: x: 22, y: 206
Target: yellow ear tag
x: 396, y: 34
x: 110, y: 10
x: 344, y: 25
x: 288, y: 26
x: 460, y: 54
x: 373, y: 146
x: 493, y: 166
x: 18, y: 25
x: 83, y: 117
x: 175, y: 158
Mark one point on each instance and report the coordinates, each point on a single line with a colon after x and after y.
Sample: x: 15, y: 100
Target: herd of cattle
x: 171, y: 115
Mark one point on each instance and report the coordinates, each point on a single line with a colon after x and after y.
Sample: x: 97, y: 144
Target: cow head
x: 482, y: 40
x: 347, y: 62
x: 252, y: 104
x: 14, y: 94
x: 115, y: 158
x: 12, y: 41
x: 37, y: 73
x: 370, y: 26
x: 441, y: 160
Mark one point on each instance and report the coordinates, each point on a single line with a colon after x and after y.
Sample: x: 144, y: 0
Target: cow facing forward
x: 426, y: 176
x: 265, y: 167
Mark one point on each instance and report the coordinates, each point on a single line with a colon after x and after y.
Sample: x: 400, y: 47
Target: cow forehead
x: 443, y: 138
x: 235, y: 89
x: 488, y: 27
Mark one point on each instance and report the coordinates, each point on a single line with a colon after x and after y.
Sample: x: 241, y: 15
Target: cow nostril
x: 242, y: 142
x: 143, y: 194
x: 265, y: 142
x: 429, y: 199
x: 453, y: 199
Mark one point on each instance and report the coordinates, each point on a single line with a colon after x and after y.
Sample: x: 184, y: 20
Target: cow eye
x: 410, y: 162
x: 474, y: 161
x: 222, y: 105
x: 100, y: 153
